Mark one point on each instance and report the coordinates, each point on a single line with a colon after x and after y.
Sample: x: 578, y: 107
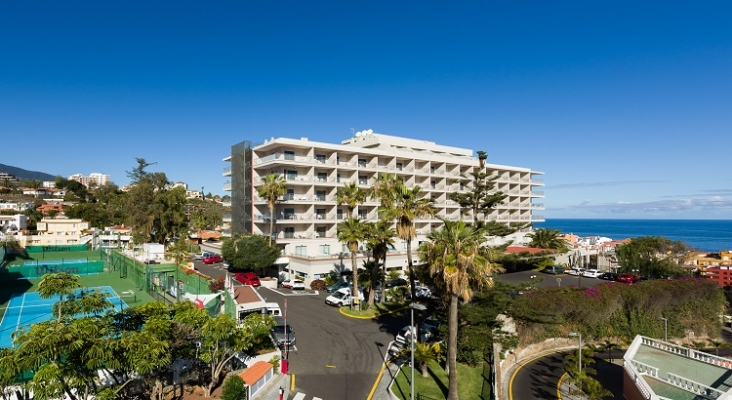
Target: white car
x: 201, y: 255
x: 297, y: 285
x: 576, y: 271
x: 592, y: 273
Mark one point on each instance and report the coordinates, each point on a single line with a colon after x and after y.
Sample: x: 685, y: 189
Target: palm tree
x: 405, y: 205
x: 381, y: 238
x: 272, y: 188
x: 457, y: 266
x: 351, y: 195
x: 424, y: 354
x: 351, y: 232
x: 546, y: 238
x: 383, y: 189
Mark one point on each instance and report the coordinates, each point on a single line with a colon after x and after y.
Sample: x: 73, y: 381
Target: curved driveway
x: 537, y: 378
x: 337, y: 358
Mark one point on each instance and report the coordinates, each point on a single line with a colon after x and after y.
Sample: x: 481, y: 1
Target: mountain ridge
x: 25, y: 175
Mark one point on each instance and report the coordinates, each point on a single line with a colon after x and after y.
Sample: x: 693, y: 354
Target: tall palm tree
x: 547, y: 238
x: 272, y: 188
x: 381, y: 237
x: 383, y: 188
x: 351, y: 195
x: 406, y: 205
x: 453, y: 254
x: 352, y: 231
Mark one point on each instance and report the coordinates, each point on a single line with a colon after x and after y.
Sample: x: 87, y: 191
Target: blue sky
x: 626, y: 106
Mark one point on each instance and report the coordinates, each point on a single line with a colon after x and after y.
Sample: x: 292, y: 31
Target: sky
x: 626, y: 107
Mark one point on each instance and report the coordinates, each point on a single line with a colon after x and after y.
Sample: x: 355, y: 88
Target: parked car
x: 576, y: 271
x: 628, y: 278
x: 287, y: 284
x: 342, y: 297
x: 248, y: 278
x: 397, y: 282
x: 334, y: 287
x: 297, y: 285
x: 592, y: 273
x: 608, y: 276
x: 282, y: 333
x: 554, y: 269
x: 212, y: 258
x: 427, y: 332
x: 201, y: 255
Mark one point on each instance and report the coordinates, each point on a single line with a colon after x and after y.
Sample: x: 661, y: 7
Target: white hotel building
x: 307, y: 217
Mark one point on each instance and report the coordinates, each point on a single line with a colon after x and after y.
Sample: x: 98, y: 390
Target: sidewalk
x: 272, y: 390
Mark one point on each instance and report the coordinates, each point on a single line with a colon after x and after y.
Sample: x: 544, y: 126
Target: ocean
x: 704, y: 235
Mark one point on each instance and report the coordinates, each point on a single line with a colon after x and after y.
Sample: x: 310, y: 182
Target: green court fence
x: 57, y: 248
x: 163, y: 281
x: 37, y: 270
x: 229, y: 305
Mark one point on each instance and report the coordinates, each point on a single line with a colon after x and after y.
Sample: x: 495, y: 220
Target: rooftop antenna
x: 353, y: 131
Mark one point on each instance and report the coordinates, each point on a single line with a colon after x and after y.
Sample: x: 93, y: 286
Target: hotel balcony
x: 227, y: 171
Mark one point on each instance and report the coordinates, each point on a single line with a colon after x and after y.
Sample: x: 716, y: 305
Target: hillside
x: 24, y: 175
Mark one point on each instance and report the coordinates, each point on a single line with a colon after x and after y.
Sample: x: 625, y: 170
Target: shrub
x: 216, y: 285
x: 234, y: 389
x: 317, y: 284
x: 275, y: 361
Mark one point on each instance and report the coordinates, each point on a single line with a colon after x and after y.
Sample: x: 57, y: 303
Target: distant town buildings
x: 94, y: 179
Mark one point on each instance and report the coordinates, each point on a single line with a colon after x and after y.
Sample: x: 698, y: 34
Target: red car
x: 248, y: 278
x: 212, y: 258
x: 628, y: 278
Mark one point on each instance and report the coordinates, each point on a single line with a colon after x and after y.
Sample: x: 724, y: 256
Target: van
x: 272, y: 309
x: 554, y: 269
x: 342, y: 297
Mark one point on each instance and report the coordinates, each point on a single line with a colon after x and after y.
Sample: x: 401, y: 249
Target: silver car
x: 282, y: 333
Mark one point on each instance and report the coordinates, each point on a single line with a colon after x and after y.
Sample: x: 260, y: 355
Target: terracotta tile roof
x: 521, y: 249
x: 254, y: 373
x: 245, y: 294
x: 209, y: 235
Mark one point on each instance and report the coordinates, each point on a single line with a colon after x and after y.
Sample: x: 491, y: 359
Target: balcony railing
x: 227, y: 186
x: 227, y: 171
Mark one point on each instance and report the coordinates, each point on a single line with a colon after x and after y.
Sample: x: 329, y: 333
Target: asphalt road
x: 549, y: 280
x: 213, y: 270
x: 336, y: 357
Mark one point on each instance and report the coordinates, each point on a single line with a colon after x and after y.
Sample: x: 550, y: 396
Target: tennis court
x: 25, y: 309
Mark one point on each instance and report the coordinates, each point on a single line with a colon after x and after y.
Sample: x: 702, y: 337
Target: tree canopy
x: 247, y: 251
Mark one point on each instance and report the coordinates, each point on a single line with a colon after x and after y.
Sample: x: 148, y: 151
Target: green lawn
x: 375, y: 311
x: 434, y: 386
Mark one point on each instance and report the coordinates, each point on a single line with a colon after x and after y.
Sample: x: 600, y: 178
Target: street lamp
x: 665, y: 329
x: 579, y: 335
x: 412, y: 334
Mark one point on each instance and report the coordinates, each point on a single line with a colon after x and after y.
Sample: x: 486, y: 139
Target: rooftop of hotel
x: 677, y: 372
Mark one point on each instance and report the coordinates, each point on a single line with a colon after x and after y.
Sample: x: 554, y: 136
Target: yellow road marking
x: 513, y: 376
x: 378, y: 379
x: 559, y: 385
x: 292, y: 382
x: 329, y: 366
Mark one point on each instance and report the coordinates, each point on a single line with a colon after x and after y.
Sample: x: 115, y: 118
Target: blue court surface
x: 28, y: 308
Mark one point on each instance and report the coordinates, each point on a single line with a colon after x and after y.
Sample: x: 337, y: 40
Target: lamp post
x: 413, y: 334
x: 665, y: 329
x: 579, y: 335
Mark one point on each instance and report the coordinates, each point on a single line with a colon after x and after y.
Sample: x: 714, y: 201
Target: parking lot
x: 548, y: 280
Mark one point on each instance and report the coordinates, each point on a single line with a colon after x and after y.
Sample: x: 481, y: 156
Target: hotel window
x: 362, y: 162
x: 320, y: 195
x: 433, y: 184
x: 289, y: 155
x: 338, y: 178
x: 301, y: 251
x: 320, y: 158
x: 289, y: 232
x: 339, y: 214
x: 363, y: 180
x: 322, y: 177
x: 432, y: 170
x: 290, y: 195
x: 324, y: 249
x: 320, y: 213
x: 399, y: 166
x: 290, y: 175
x: 362, y: 214
x: 320, y: 231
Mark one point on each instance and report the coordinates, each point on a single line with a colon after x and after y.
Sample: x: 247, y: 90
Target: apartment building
x: 94, y: 179
x: 58, y: 230
x: 307, y: 216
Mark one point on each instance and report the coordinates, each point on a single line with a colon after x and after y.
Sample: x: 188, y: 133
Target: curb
x: 340, y: 310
